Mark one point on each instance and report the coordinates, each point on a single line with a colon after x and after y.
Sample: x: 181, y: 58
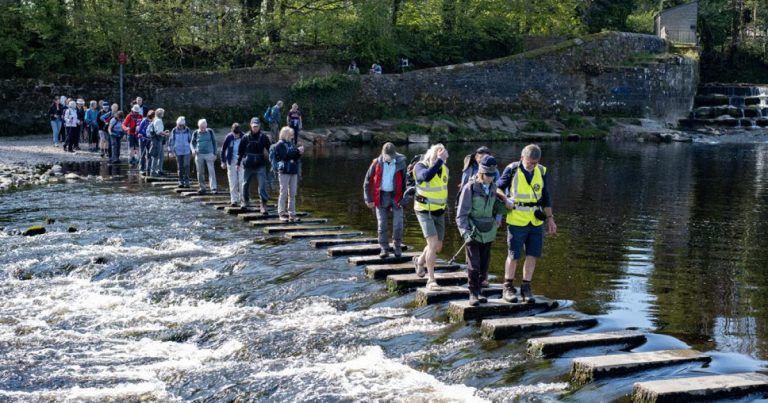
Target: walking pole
x: 464, y: 245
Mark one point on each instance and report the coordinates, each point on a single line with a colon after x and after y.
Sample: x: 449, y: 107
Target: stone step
x: 556, y: 345
x: 288, y: 228
x: 320, y: 234
x: 588, y: 369
x: 324, y: 243
x: 358, y: 250
x: 700, y: 388
x: 252, y: 210
x: 218, y: 204
x: 375, y: 259
x: 178, y: 190
x: 219, y: 197
x: 253, y: 213
x: 166, y: 182
x: 426, y: 297
x: 462, y: 311
x: 404, y: 282
x: 160, y: 179
x: 505, y: 328
x: 381, y: 271
x: 272, y: 221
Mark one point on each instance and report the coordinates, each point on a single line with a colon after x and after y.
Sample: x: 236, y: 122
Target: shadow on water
x: 160, y: 297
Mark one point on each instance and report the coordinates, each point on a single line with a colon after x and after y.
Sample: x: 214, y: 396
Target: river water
x: 160, y: 298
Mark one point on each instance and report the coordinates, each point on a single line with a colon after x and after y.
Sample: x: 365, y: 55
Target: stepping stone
x: 352, y: 250
x: 159, y: 179
x: 272, y: 221
x: 222, y: 197
x: 253, y: 214
x: 732, y: 386
x: 381, y: 271
x: 322, y: 243
x: 462, y: 311
x: 588, y: 369
x: 320, y: 234
x: 375, y: 259
x: 403, y: 282
x: 288, y: 228
x: 165, y: 183
x: 426, y: 297
x: 505, y: 328
x: 184, y: 190
x: 251, y: 210
x: 556, y: 345
x: 187, y: 193
x: 216, y: 203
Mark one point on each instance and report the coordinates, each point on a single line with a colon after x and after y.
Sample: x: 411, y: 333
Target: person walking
x: 180, y: 144
x: 430, y: 201
x: 478, y: 216
x: 130, y: 124
x: 294, y: 121
x: 70, y: 126
x: 229, y: 156
x: 56, y: 116
x: 143, y: 108
x: 469, y: 171
x: 275, y: 116
x: 383, y: 190
x: 251, y: 157
x: 530, y: 207
x: 204, y: 149
x: 80, y: 123
x: 287, y: 157
x: 157, y: 136
x: 144, y: 142
x: 105, y: 116
x: 115, y: 129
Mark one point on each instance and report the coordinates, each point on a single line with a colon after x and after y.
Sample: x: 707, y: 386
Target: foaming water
x: 159, y: 298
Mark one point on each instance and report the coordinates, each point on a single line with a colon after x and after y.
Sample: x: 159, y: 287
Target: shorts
x: 431, y: 225
x: 530, y: 236
x: 133, y: 142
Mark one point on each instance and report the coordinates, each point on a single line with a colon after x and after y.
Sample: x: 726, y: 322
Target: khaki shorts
x: 431, y: 224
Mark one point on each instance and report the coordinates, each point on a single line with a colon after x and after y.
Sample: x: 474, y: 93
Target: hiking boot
x: 432, y: 285
x: 214, y: 191
x: 384, y: 253
x: 526, y: 293
x: 509, y: 293
x: 421, y: 271
x: 284, y: 218
x: 243, y: 204
x: 398, y: 250
x: 202, y: 192
x: 263, y: 209
x: 473, y: 299
x: 484, y: 284
x: 233, y: 204
x: 482, y: 298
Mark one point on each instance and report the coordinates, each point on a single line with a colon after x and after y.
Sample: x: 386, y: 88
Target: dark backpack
x: 268, y: 115
x: 410, y: 181
x: 273, y: 156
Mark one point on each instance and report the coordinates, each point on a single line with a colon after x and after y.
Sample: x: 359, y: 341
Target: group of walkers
x: 520, y: 193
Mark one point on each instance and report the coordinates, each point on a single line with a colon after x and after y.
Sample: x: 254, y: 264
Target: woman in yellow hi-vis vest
x: 431, y: 175
x: 524, y: 183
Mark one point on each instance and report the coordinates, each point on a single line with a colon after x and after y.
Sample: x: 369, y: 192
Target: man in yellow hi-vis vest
x: 524, y: 183
x: 431, y: 175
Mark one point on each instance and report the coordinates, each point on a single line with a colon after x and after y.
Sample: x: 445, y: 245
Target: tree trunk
x: 395, y: 10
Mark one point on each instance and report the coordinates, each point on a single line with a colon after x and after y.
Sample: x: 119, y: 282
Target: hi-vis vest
x: 524, y: 196
x: 434, y: 194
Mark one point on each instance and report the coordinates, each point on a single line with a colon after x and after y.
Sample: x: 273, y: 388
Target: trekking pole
x: 463, y: 245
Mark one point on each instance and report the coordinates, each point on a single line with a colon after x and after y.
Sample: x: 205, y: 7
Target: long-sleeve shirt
x: 424, y: 174
x: 509, y: 173
x: 92, y: 117
x: 180, y: 140
x: 204, y: 142
x: 70, y: 117
x: 256, y: 144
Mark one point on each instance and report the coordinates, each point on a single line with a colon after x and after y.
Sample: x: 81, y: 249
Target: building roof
x: 679, y: 6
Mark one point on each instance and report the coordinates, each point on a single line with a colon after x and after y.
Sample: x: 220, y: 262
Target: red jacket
x: 375, y: 184
x: 131, y: 122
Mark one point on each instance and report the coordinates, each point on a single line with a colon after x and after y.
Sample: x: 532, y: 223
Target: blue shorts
x: 133, y: 142
x: 530, y: 236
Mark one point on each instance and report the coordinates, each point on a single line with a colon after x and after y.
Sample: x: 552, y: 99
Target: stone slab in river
x: 358, y: 250
x: 403, y: 282
x: 154, y: 179
x: 166, y: 182
x: 323, y: 243
x: 381, y: 271
x: 320, y: 234
x: 253, y: 214
x: 274, y: 221
x: 427, y: 297
x: 588, y: 369
x: 217, y: 197
x: 732, y: 386
x: 288, y: 228
x: 556, y: 345
x: 504, y: 328
x: 375, y: 259
x: 462, y: 311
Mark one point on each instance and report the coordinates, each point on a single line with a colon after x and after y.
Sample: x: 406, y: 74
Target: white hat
x: 136, y: 108
x: 80, y: 101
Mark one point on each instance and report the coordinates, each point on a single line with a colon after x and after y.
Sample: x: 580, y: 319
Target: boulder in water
x: 56, y: 169
x: 34, y: 230
x: 72, y: 228
x: 72, y: 176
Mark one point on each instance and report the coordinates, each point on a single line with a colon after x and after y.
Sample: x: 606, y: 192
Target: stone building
x: 678, y: 24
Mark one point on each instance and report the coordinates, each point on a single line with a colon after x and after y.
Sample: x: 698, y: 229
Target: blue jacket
x: 180, y: 141
x: 230, y: 148
x: 204, y: 143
